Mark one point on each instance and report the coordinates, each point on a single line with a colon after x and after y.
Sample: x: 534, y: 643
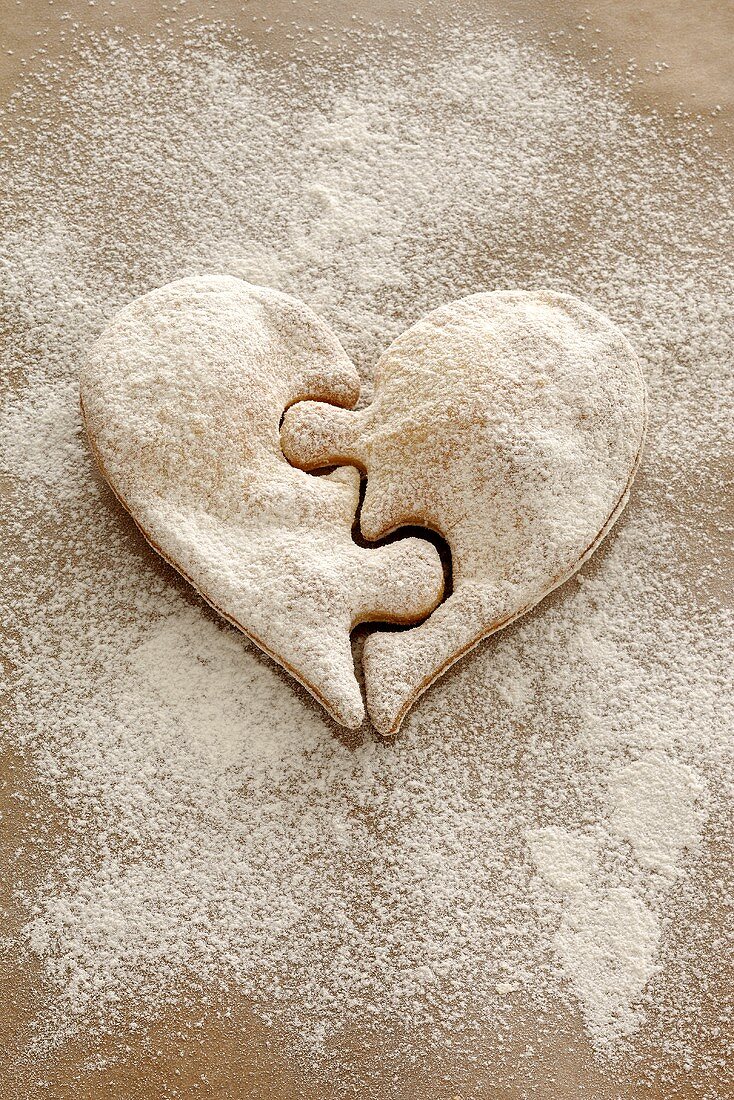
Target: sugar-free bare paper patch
x: 182, y: 396
x: 512, y: 424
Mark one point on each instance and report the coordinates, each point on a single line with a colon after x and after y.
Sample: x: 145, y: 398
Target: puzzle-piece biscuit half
x: 511, y: 423
x: 182, y: 396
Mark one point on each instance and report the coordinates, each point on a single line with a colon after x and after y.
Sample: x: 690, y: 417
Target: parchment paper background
x: 696, y: 39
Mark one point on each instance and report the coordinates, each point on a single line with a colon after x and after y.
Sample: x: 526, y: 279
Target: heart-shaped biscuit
x: 512, y: 424
x: 182, y: 396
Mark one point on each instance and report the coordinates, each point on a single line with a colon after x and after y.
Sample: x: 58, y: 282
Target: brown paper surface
x: 238, y: 1055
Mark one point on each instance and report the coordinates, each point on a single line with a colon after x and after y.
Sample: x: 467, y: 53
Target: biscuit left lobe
x: 182, y: 396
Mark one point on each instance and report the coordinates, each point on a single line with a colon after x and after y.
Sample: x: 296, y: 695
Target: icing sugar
x: 186, y: 821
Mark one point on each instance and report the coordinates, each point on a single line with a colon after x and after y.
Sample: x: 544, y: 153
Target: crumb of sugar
x: 521, y: 831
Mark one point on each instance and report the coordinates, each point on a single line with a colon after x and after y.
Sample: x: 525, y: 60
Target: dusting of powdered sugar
x: 544, y: 830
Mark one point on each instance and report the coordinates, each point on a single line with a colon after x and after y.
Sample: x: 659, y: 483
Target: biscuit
x: 512, y: 424
x: 182, y: 397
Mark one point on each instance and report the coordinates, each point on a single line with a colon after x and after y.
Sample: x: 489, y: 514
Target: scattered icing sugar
x: 518, y: 848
